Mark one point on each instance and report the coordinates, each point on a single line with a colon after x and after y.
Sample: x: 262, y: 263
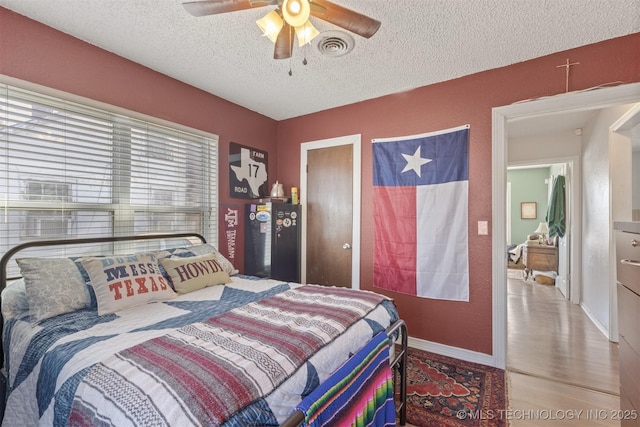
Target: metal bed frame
x: 398, y: 361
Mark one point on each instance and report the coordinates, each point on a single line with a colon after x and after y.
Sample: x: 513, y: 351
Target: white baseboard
x: 455, y: 352
x: 595, y: 321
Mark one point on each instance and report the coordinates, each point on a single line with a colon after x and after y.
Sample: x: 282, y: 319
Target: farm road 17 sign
x: 247, y: 172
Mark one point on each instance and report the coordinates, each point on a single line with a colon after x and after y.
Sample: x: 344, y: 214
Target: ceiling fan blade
x: 345, y: 18
x: 213, y: 7
x: 284, y: 43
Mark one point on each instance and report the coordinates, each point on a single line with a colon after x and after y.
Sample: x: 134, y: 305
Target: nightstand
x: 539, y: 257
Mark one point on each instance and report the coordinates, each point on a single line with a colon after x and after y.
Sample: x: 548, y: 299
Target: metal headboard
x: 39, y: 243
x: 4, y: 261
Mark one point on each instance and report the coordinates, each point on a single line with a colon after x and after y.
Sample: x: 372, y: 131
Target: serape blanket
x: 240, y: 354
x: 359, y: 394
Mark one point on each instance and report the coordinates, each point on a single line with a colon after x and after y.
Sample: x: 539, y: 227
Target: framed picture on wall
x: 528, y: 210
x: 247, y: 172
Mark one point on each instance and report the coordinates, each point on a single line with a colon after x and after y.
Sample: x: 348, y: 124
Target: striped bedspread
x: 244, y: 356
x: 359, y: 394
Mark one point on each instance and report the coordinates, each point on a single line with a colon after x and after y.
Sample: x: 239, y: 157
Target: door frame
x: 573, y: 176
x: 586, y: 100
x: 620, y: 208
x: 355, y: 141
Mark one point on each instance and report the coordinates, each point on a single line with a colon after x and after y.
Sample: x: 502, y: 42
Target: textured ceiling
x: 420, y: 42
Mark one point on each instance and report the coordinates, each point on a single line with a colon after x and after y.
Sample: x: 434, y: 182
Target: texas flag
x: 421, y: 187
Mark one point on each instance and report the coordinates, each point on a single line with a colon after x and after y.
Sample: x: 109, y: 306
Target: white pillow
x: 53, y: 286
x: 126, y: 281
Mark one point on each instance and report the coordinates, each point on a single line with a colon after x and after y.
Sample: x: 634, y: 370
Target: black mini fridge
x: 272, y: 241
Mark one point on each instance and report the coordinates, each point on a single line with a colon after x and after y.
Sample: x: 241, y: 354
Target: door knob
x: 346, y: 246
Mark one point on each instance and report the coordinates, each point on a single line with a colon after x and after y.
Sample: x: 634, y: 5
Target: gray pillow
x: 54, y: 286
x: 14, y: 300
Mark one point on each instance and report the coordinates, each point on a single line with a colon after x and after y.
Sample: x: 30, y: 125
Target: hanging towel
x: 556, y: 216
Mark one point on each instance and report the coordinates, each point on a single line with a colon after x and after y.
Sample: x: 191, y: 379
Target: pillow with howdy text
x: 193, y: 273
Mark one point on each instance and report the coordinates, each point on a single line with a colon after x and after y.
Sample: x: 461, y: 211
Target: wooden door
x: 329, y: 211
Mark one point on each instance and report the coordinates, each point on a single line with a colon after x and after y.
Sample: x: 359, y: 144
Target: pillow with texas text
x: 193, y: 273
x: 125, y: 281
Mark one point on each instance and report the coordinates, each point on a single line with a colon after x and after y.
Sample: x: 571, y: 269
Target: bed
x: 177, y: 337
x: 515, y: 252
x: 514, y: 257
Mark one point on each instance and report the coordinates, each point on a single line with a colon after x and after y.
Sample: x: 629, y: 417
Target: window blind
x: 69, y: 170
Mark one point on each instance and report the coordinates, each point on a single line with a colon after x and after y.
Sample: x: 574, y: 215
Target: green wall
x: 527, y: 185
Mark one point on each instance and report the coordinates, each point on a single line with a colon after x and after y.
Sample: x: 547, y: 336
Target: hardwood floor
x: 562, y: 371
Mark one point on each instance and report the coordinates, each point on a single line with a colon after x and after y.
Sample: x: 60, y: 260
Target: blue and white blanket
x: 80, y: 368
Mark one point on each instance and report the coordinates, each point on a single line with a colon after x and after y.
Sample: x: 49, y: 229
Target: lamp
x: 295, y: 13
x: 542, y: 230
x: 305, y: 33
x: 271, y: 24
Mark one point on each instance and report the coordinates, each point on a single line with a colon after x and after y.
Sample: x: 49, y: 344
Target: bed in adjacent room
x: 176, y: 337
x: 514, y: 256
x: 515, y: 252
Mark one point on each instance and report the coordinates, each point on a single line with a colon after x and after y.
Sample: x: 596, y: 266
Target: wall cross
x: 567, y: 66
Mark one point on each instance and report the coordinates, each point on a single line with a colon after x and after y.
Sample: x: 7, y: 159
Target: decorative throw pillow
x: 93, y: 303
x: 54, y: 286
x: 206, y: 249
x: 126, y: 280
x: 193, y: 273
x: 14, y: 300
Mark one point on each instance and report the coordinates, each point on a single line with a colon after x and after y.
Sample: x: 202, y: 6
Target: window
x: 68, y: 170
x: 47, y: 190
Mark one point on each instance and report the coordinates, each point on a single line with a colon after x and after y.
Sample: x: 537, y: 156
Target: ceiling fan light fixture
x: 305, y: 33
x: 271, y: 24
x: 296, y: 12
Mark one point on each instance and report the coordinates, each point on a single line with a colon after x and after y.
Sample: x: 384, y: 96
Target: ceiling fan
x: 290, y: 18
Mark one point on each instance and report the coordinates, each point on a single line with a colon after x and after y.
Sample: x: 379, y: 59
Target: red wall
x: 466, y: 100
x: 34, y: 52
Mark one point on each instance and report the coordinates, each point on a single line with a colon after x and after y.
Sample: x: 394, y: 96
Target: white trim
x: 628, y: 120
x: 449, y: 351
x: 499, y: 265
x: 620, y: 207
x: 508, y: 213
x: 603, y: 329
x: 576, y: 101
x: 355, y: 142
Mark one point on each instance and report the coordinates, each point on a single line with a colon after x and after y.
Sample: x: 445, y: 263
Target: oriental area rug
x: 446, y: 392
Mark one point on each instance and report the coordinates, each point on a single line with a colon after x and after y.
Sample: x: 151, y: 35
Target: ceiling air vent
x: 334, y: 43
